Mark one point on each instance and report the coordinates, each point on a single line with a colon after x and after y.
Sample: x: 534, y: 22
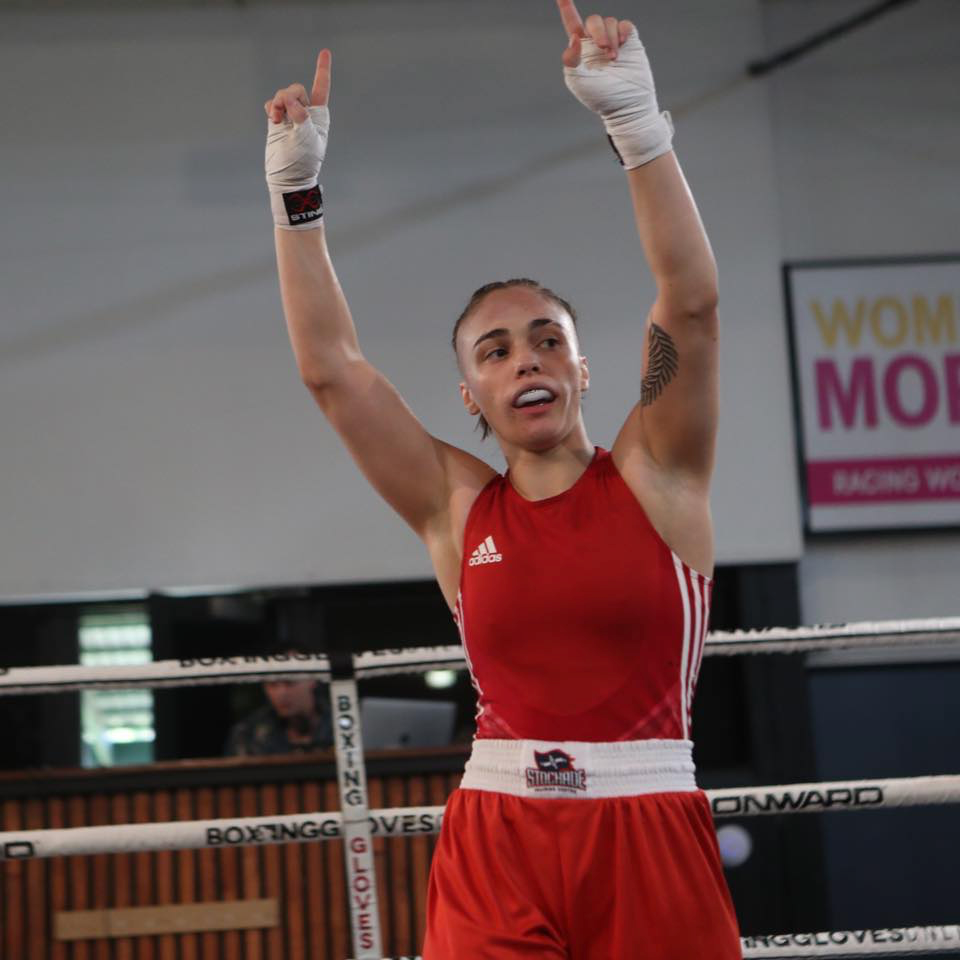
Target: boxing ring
x: 358, y: 825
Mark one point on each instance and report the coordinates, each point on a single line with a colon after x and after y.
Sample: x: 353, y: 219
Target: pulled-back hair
x: 481, y: 293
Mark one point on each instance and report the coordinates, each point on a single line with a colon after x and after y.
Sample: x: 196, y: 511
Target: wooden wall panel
x: 79, y: 873
x: 144, y: 871
x: 270, y: 804
x: 207, y: 880
x: 14, y: 941
x: 3, y: 886
x: 291, y: 854
x: 100, y: 870
x: 163, y: 811
x: 189, y: 943
x: 57, y: 873
x: 251, y: 870
x: 121, y: 876
x: 315, y: 899
x: 306, y: 879
x: 229, y: 887
x: 36, y: 886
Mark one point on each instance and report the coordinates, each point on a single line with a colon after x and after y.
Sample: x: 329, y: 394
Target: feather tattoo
x: 662, y: 363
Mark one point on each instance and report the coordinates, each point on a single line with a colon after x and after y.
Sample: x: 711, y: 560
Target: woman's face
x: 522, y: 370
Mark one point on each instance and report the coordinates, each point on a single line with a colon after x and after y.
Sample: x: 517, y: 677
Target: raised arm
x: 416, y: 474
x: 676, y: 417
x: 673, y: 426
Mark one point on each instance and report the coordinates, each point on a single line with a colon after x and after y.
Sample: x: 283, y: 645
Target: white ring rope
x: 888, y: 941
x: 896, y: 941
x: 837, y: 636
x: 837, y: 795
x: 383, y: 663
x: 162, y: 673
x: 210, y: 834
x: 304, y: 828
x: 419, y: 821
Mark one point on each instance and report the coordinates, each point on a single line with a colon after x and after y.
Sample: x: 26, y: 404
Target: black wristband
x: 304, y: 206
x: 613, y: 146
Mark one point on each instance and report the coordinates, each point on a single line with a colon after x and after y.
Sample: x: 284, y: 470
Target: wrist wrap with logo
x: 622, y: 93
x: 294, y: 154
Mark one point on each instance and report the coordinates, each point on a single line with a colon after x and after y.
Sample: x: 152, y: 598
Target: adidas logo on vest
x: 485, y: 553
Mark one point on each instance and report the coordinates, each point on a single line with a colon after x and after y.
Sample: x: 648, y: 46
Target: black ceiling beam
x: 758, y: 68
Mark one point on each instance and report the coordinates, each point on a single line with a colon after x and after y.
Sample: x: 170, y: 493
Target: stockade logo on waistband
x: 555, y: 770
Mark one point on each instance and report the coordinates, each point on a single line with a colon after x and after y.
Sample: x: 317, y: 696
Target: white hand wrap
x: 621, y: 91
x: 295, y: 152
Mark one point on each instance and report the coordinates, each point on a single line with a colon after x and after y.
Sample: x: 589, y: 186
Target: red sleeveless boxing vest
x: 578, y: 621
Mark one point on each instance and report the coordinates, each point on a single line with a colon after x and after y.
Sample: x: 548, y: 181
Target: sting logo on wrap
x: 303, y: 206
x: 555, y: 771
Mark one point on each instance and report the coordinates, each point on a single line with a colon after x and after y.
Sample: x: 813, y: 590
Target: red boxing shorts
x: 563, y: 862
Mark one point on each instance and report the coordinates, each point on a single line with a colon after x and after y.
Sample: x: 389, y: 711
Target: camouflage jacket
x: 263, y: 733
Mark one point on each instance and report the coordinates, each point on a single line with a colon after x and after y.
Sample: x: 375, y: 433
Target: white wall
x: 867, y: 150
x: 153, y: 430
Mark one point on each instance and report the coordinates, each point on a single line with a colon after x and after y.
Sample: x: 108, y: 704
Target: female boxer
x: 579, y: 580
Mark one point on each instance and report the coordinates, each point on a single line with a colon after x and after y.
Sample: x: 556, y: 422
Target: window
x: 117, y: 725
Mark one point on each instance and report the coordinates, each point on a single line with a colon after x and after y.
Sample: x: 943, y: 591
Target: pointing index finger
x: 320, y: 93
x: 572, y: 22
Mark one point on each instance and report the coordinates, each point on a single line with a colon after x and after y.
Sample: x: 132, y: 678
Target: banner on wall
x: 876, y: 363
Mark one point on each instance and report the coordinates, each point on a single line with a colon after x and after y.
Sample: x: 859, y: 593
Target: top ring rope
x: 881, y: 633
x: 384, y: 663
x: 163, y: 673
x: 837, y: 636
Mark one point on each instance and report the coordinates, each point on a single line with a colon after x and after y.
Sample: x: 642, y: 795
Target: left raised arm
x: 674, y: 423
x: 675, y: 420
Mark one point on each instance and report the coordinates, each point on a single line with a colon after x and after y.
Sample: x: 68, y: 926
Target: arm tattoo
x: 662, y: 365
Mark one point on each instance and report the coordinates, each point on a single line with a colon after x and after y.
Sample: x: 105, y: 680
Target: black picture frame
x: 787, y: 268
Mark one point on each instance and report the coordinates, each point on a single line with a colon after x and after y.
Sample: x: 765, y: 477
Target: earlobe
x: 467, y: 398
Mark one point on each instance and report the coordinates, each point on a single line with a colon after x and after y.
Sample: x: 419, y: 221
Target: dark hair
x: 281, y: 646
x: 481, y: 293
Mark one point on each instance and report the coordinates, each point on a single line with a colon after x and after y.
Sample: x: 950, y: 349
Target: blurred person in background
x: 295, y: 718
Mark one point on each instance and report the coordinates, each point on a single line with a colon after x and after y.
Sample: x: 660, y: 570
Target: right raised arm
x: 421, y: 477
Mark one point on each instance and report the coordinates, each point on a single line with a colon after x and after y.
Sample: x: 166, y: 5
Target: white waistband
x: 541, y: 768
